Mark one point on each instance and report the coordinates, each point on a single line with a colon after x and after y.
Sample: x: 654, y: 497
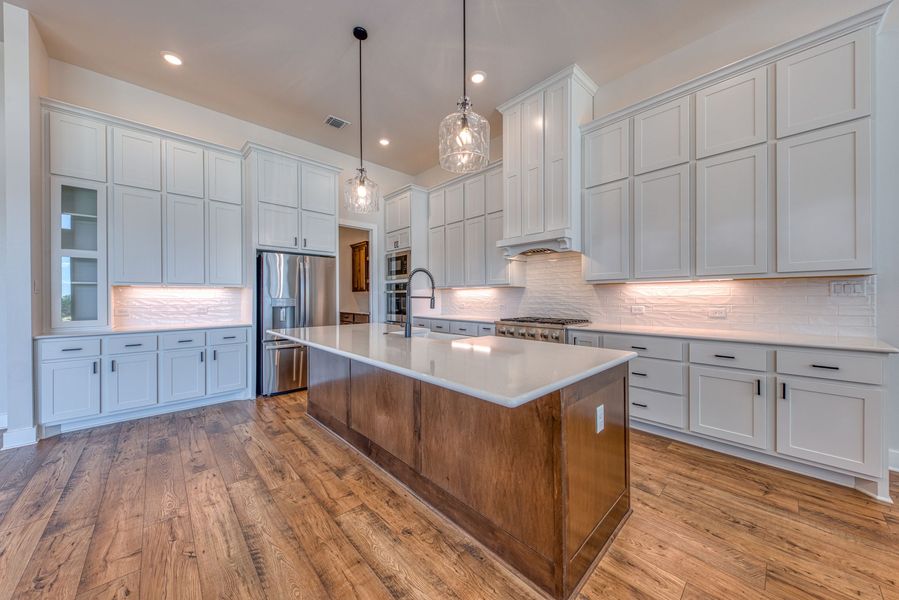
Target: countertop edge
x: 137, y: 330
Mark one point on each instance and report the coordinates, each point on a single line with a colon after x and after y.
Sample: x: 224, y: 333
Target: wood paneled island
x: 533, y: 464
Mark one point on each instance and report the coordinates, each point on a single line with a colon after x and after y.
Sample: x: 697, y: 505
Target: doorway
x: 356, y: 271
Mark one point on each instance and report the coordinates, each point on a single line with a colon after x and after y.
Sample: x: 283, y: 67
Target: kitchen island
x: 523, y: 444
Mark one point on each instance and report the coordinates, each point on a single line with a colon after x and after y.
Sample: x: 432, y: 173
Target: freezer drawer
x: 283, y: 368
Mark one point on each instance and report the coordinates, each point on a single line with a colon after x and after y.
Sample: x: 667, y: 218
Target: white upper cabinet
x: 662, y: 136
x: 732, y: 213
x: 185, y: 240
x: 475, y: 258
x: 557, y: 151
x: 136, y: 159
x: 532, y: 168
x: 607, y: 238
x: 826, y: 84
x: 493, y: 190
x: 662, y: 224
x: 512, y: 172
x: 824, y: 207
x: 223, y: 177
x: 319, y: 232
x: 278, y: 226
x: 225, y: 244
x: 607, y: 154
x: 436, y: 210
x: 226, y: 370
x: 397, y: 214
x: 184, y: 169
x: 318, y: 189
x: 77, y: 147
x: 277, y: 180
x: 496, y: 263
x: 732, y: 114
x: 437, y: 255
x: 455, y: 203
x: 474, y: 197
x: 136, y: 236
x: 455, y: 255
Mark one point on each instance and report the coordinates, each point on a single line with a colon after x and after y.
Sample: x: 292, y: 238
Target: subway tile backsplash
x: 135, y: 306
x: 798, y: 305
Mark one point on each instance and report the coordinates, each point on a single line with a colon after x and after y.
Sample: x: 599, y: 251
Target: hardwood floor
x: 254, y: 500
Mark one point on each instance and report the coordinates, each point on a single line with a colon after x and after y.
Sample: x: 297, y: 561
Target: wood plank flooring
x: 254, y: 500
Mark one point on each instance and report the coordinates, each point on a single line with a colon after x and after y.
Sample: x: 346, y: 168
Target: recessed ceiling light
x: 172, y: 58
x: 384, y: 142
x: 478, y: 77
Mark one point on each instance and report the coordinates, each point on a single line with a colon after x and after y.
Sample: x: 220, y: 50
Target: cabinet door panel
x: 732, y: 114
x: 493, y: 191
x: 77, y: 147
x: 732, y: 213
x: 136, y: 236
x: 437, y: 254
x: 824, y: 219
x: 130, y: 382
x: 475, y: 257
x: 532, y: 198
x: 662, y: 136
x: 607, y: 232
x: 223, y: 177
x: 70, y: 389
x: 184, y: 172
x: 831, y: 424
x: 512, y: 172
x: 185, y: 240
x: 556, y: 127
x: 730, y: 405
x: 436, y: 210
x: 225, y: 241
x: 497, y: 265
x: 277, y: 180
x: 607, y: 154
x: 278, y: 226
x: 397, y: 213
x: 227, y: 369
x: 827, y: 84
x: 319, y: 232
x: 183, y: 375
x: 136, y: 159
x: 455, y: 203
x: 475, y: 199
x: 455, y: 255
x: 318, y: 189
x: 662, y: 224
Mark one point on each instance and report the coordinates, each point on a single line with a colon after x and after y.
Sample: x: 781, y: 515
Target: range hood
x: 545, y: 242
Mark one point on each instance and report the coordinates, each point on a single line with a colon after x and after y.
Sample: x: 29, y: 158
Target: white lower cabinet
x: 129, y: 381
x: 585, y: 338
x: 69, y: 389
x: 227, y: 369
x: 838, y: 425
x: 182, y: 375
x: 658, y: 407
x: 730, y: 405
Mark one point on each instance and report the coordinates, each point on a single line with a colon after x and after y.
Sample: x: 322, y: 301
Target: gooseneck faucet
x: 409, y: 297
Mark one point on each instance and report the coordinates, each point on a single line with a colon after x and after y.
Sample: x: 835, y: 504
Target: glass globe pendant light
x: 361, y: 195
x: 464, y: 136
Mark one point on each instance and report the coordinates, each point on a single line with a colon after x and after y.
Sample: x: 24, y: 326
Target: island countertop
x: 506, y: 371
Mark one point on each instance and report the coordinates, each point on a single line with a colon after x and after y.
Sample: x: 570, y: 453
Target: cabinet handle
x: 95, y: 367
x: 294, y: 240
x: 184, y: 341
x: 758, y: 387
x: 304, y: 242
x: 828, y: 367
x: 638, y: 374
x: 72, y: 349
x: 230, y: 337
x: 638, y: 347
x: 462, y: 329
x: 783, y: 390
x: 725, y: 356
x: 133, y: 345
x: 201, y: 355
x: 640, y: 405
x: 112, y: 366
x: 215, y: 355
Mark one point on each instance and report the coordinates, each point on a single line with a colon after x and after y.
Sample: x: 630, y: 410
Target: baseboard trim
x: 2, y: 420
x: 16, y: 438
x: 894, y: 460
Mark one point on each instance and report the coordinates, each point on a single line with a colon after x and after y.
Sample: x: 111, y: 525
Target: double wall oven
x: 396, y: 301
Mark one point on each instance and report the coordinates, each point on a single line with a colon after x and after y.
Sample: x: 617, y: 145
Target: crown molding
x: 573, y: 72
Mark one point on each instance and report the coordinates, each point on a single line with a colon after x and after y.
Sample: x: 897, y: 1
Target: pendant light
x: 464, y: 136
x: 362, y: 195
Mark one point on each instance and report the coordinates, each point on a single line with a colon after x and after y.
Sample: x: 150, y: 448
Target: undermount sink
x: 421, y: 332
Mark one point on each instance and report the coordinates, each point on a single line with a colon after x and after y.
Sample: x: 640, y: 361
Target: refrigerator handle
x: 306, y: 295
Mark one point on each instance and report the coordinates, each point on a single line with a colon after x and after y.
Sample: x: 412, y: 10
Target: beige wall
x: 351, y: 301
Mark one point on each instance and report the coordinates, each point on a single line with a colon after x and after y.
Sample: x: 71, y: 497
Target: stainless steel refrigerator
x: 293, y: 290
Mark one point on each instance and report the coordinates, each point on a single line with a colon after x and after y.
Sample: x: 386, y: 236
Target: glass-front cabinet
x: 78, y: 258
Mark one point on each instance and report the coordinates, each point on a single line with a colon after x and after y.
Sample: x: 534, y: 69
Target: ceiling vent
x: 336, y: 122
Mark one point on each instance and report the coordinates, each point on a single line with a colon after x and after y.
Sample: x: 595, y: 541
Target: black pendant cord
x: 464, y: 55
x: 361, y: 166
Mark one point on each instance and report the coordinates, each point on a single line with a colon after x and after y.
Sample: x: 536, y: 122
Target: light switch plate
x: 600, y: 418
x: 638, y: 309
x: 718, y: 312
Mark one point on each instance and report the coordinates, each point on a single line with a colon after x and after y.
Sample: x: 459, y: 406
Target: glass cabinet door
x: 79, y: 253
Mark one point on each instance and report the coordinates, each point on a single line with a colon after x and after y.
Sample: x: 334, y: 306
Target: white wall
x: 3, y: 346
x: 86, y: 88
x: 351, y: 301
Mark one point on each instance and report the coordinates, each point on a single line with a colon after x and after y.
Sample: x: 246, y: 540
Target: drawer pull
x: 201, y: 355
x: 462, y: 329
x: 758, y: 387
x: 783, y: 390
x: 640, y: 405
x: 184, y: 341
x: 638, y: 347
x: 725, y: 356
x: 72, y: 349
x: 828, y: 367
x: 112, y: 366
x: 215, y: 355
x: 95, y: 367
x: 230, y: 337
x: 638, y: 374
x: 133, y: 345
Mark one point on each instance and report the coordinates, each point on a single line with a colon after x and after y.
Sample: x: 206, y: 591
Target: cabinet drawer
x: 651, y: 347
x: 660, y: 375
x: 227, y: 336
x: 486, y: 329
x: 729, y: 355
x: 667, y: 409
x: 440, y: 326
x: 421, y: 323
x: 463, y: 328
x: 183, y: 339
x: 125, y: 344
x: 69, y: 348
x: 827, y: 365
x: 585, y: 338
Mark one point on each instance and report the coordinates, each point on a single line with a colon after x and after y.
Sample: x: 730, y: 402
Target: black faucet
x: 409, y: 297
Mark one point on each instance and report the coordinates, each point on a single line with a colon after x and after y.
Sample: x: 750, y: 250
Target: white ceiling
x: 287, y: 64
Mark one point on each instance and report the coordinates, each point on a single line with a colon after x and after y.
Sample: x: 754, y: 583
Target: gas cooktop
x: 543, y: 321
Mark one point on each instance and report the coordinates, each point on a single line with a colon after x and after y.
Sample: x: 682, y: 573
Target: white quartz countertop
x: 750, y: 337
x: 467, y: 318
x: 139, y: 329
x: 506, y: 371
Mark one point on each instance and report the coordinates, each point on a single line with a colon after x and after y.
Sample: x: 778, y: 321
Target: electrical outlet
x: 848, y: 288
x: 600, y: 418
x: 638, y: 309
x: 718, y: 312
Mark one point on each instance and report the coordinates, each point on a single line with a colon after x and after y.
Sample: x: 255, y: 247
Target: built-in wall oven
x: 398, y: 265
x: 396, y: 301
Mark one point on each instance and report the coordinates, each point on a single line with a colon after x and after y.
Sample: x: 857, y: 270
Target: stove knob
x: 555, y: 335
x: 532, y: 334
x: 544, y: 335
x: 522, y: 333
